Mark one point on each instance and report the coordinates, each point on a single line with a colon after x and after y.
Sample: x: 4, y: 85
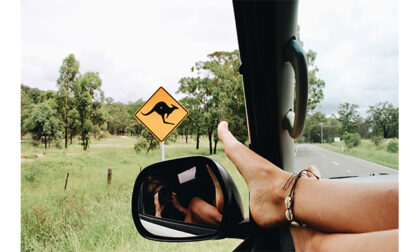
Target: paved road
x: 332, y: 164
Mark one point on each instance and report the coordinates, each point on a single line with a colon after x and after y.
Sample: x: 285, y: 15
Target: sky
x: 138, y: 46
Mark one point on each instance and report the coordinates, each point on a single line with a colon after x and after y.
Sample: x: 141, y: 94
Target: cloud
x: 357, y: 46
x: 137, y: 46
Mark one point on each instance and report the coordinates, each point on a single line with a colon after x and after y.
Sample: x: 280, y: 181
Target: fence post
x: 67, y: 177
x: 109, y: 176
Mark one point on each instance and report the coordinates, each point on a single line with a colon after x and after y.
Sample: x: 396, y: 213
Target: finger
x: 245, y: 160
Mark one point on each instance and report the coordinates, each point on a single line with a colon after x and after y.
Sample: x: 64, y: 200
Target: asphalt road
x: 332, y: 164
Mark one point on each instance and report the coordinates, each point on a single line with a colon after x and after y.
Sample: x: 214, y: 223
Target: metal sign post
x: 162, y: 149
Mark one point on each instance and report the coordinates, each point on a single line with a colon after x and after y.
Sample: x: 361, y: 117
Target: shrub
x: 377, y: 140
x: 103, y: 134
x: 58, y: 145
x: 141, y: 144
x: 352, y: 140
x: 35, y: 143
x: 393, y: 146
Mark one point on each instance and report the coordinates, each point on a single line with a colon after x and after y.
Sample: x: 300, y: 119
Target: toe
x: 315, y: 171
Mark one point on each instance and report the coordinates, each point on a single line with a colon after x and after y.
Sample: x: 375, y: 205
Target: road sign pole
x: 162, y: 149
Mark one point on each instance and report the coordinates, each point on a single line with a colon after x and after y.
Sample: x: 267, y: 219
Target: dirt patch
x: 105, y: 145
x: 38, y: 155
x: 132, y: 138
x: 73, y: 154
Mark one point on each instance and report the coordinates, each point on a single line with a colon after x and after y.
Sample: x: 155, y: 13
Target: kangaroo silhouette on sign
x: 162, y: 109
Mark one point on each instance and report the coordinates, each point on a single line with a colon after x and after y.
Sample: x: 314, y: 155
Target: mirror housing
x: 185, y: 171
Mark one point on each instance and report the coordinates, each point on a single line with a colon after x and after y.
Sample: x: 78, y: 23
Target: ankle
x: 274, y: 180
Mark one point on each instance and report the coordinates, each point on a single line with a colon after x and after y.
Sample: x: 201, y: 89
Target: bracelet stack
x: 289, y: 201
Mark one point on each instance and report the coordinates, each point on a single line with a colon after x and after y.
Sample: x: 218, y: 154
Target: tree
x: 194, y: 104
x: 312, y: 131
x: 69, y: 73
x: 73, y: 123
x: 88, y: 101
x: 35, y: 95
x: 118, y: 118
x: 43, y: 124
x: 191, y: 123
x: 332, y: 128
x: 218, y: 90
x: 134, y: 126
x: 26, y: 107
x: 315, y: 84
x: 384, y: 117
x: 364, y: 128
x: 349, y: 118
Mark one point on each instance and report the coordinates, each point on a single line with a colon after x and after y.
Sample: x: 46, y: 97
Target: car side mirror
x: 186, y: 199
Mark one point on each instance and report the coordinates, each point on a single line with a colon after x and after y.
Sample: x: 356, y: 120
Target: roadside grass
x: 367, y: 151
x: 90, y: 215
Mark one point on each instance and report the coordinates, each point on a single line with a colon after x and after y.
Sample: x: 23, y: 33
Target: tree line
x: 381, y: 122
x: 214, y: 92
x: 77, y: 109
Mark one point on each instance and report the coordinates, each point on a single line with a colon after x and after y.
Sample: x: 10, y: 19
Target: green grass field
x: 90, y: 215
x: 367, y: 151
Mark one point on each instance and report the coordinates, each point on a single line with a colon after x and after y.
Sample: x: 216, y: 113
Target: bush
x: 141, y: 144
x: 103, y: 134
x: 377, y: 140
x: 393, y: 146
x: 35, y: 143
x: 58, y: 145
x: 352, y: 140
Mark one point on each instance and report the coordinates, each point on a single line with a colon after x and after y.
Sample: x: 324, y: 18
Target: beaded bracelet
x: 289, y: 201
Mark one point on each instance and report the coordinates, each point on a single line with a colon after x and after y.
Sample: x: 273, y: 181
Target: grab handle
x: 294, y: 122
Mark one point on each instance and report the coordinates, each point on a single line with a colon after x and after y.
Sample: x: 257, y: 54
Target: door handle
x: 294, y: 121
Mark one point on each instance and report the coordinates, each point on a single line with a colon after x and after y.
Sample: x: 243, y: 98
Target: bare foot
x: 265, y: 180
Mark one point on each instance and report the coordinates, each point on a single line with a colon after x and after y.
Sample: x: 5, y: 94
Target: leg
x: 306, y: 239
x: 328, y: 205
x: 347, y: 206
x: 163, y: 119
x: 201, y: 212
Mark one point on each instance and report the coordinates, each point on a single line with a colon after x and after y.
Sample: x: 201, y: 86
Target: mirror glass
x: 184, y: 201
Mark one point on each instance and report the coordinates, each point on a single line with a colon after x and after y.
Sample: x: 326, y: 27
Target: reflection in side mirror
x: 190, y: 195
x: 183, y: 199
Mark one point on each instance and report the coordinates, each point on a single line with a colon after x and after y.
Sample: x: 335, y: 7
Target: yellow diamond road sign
x: 161, y: 114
